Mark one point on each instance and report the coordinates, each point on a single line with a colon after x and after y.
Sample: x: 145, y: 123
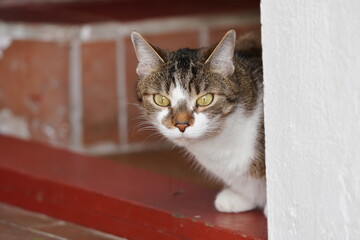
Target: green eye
x: 161, y: 100
x: 205, y: 100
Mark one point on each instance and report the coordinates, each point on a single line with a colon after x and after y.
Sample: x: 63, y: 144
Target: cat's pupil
x: 163, y: 100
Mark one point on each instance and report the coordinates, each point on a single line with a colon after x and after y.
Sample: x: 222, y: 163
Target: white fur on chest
x: 232, y: 150
x: 229, y: 154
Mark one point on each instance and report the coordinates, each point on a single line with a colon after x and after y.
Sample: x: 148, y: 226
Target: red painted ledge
x: 115, y: 198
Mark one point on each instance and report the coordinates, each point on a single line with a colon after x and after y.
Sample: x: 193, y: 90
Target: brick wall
x: 73, y: 85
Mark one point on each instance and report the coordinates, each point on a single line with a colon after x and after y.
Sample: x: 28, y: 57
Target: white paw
x: 230, y: 201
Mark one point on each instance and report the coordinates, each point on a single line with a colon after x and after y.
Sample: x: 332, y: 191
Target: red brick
x: 34, y: 85
x: 99, y: 92
x: 170, y: 41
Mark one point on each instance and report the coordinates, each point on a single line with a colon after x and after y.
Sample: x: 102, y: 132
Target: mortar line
x: 75, y: 93
x: 109, y: 30
x: 121, y: 90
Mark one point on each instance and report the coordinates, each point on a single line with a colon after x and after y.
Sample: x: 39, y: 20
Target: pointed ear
x: 148, y: 58
x: 221, y: 59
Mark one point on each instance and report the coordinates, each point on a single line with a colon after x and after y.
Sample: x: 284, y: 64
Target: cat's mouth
x: 190, y: 135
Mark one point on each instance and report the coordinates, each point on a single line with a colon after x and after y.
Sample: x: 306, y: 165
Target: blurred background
x: 67, y: 69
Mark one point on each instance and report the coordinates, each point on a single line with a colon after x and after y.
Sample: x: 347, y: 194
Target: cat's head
x: 187, y: 93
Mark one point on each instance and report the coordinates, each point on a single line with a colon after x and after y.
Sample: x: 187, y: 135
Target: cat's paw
x: 230, y: 201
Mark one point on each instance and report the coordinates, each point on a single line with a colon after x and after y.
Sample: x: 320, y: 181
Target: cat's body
x: 229, y: 156
x: 209, y: 101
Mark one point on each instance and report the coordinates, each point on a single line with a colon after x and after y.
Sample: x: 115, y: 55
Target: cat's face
x: 188, y: 93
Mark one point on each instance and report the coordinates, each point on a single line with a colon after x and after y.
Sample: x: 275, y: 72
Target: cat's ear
x: 147, y: 56
x: 221, y: 58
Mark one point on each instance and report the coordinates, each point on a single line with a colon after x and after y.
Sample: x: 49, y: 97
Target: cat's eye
x: 205, y: 100
x: 161, y: 100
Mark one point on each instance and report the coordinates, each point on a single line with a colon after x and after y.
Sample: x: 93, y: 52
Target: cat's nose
x: 182, y: 126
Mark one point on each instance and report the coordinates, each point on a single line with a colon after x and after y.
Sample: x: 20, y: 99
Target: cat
x: 210, y: 101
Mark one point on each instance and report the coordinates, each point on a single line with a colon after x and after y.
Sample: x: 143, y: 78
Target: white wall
x: 312, y: 114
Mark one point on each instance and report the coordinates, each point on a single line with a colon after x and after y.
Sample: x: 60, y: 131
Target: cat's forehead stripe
x: 178, y: 73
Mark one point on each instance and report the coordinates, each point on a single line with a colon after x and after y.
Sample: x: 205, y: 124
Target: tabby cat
x: 210, y: 101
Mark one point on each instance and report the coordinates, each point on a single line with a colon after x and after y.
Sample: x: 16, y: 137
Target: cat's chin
x: 183, y: 141
x: 182, y: 138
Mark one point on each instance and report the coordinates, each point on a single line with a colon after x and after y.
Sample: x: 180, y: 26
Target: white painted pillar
x: 312, y: 118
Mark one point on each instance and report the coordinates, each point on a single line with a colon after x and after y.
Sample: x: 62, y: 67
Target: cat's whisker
x: 137, y: 128
x: 173, y: 146
x: 143, y: 125
x: 155, y: 135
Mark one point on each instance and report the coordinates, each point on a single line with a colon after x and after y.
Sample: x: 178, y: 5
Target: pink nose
x: 182, y: 126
